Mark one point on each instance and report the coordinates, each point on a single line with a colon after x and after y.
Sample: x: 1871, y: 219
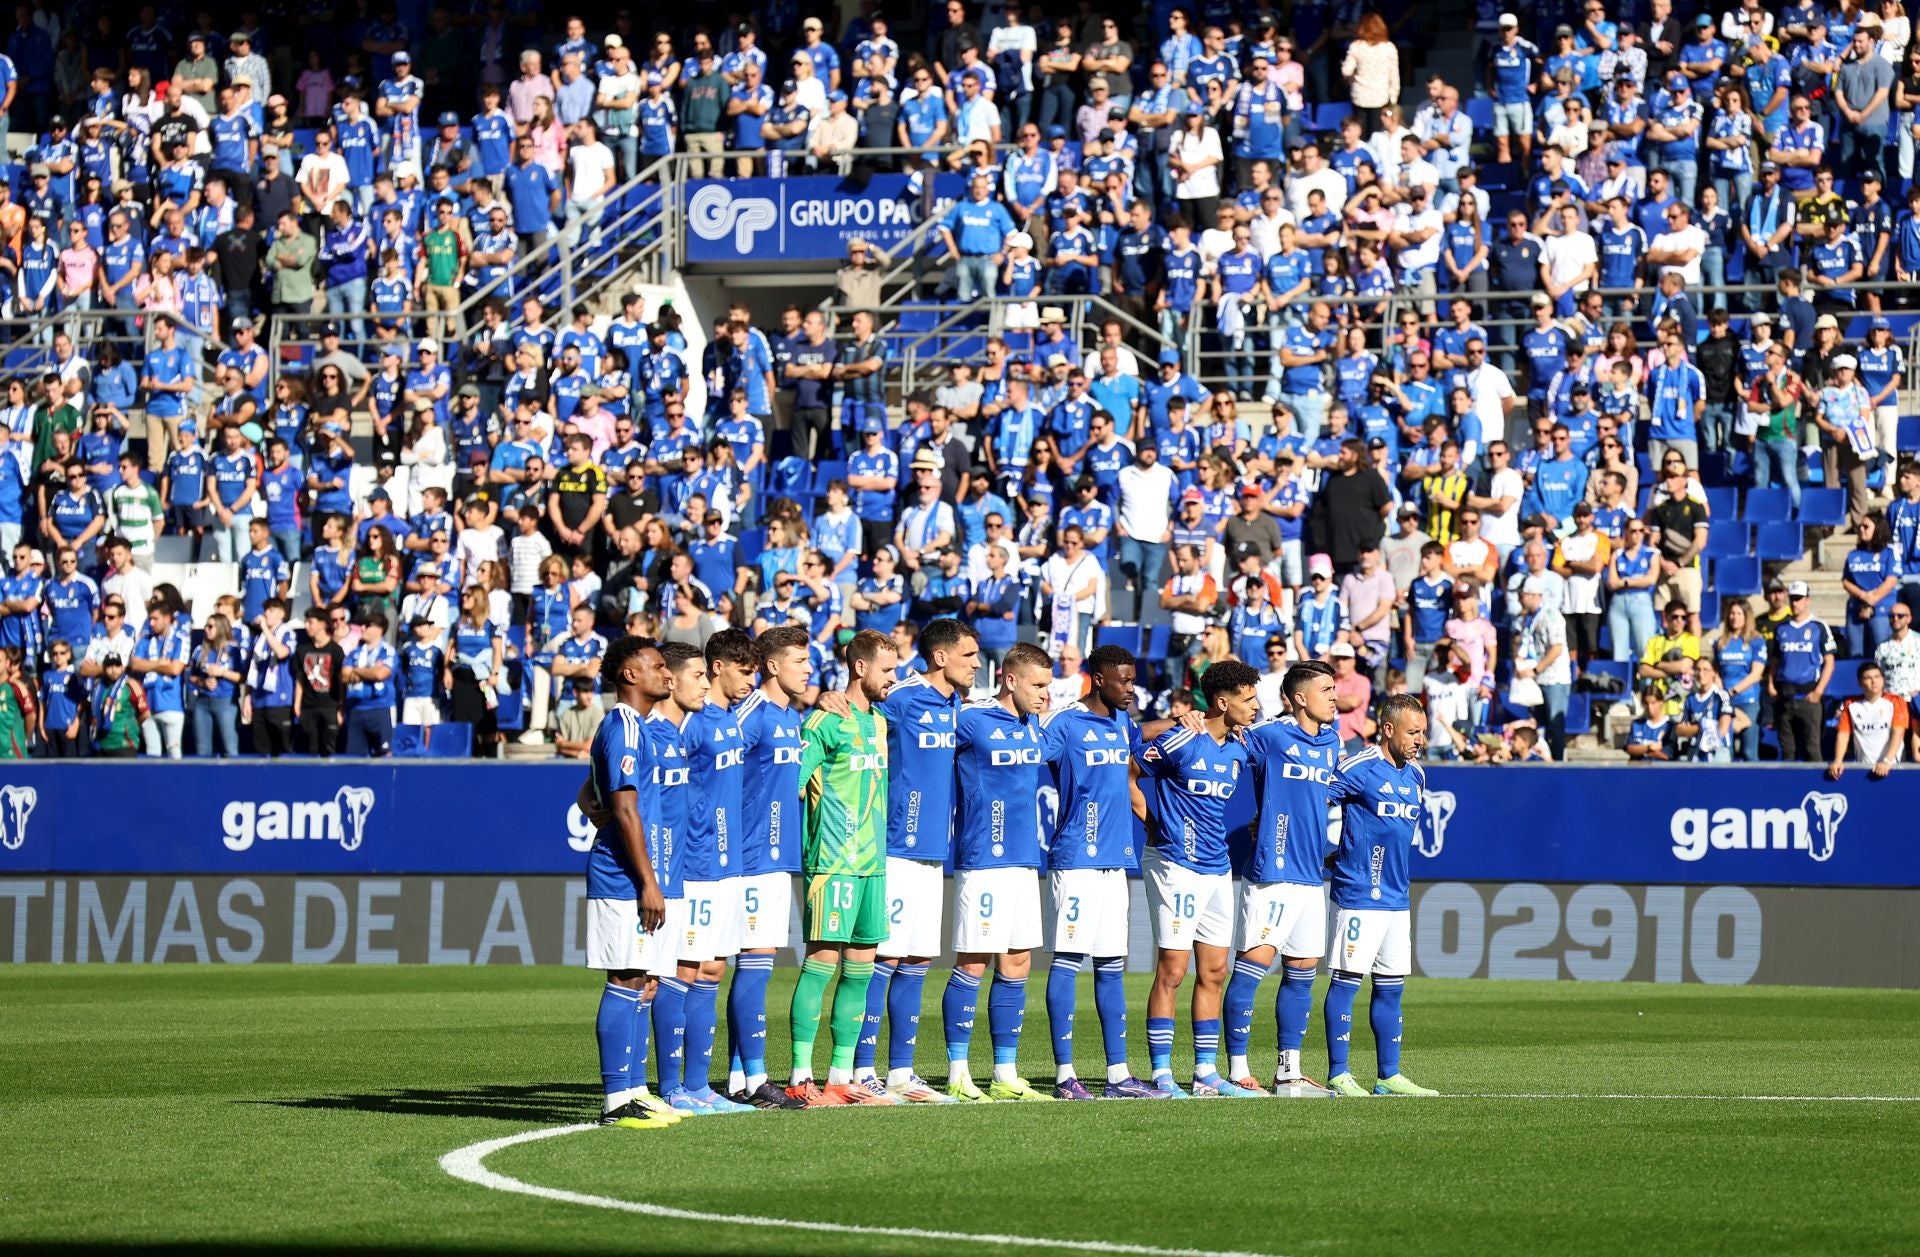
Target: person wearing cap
x: 821, y: 54
x: 244, y: 61
x: 1510, y: 81
x: 397, y: 105
x: 1833, y: 261
x: 1845, y: 416
x: 1799, y: 668
x: 196, y: 73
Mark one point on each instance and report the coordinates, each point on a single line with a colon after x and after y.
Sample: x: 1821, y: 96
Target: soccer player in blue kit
x: 1185, y: 780
x: 1089, y: 745
x: 997, y: 859
x: 769, y: 855
x: 1380, y: 792
x: 707, y: 689
x: 1283, y: 898
x: 922, y: 711
x: 630, y: 883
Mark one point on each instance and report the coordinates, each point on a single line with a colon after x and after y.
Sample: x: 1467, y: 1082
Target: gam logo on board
x: 1812, y: 827
x: 16, y: 807
x: 1436, y: 813
x: 341, y: 819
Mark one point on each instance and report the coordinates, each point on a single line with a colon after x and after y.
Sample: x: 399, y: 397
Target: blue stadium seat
x: 1125, y: 636
x: 792, y: 478
x: 1158, y: 636
x: 1710, y: 610
x: 1845, y: 682
x: 1736, y: 577
x: 1767, y: 506
x: 825, y: 473
x: 511, y: 713
x: 453, y: 740
x: 1728, y: 538
x: 1579, y: 715
x: 1909, y: 438
x: 752, y: 542
x: 1723, y: 503
x: 1329, y: 117
x: 1479, y: 111
x: 1621, y: 672
x: 1823, y: 508
x: 1779, y: 543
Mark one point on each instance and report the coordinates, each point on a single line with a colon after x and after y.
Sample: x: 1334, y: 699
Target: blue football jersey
x: 1380, y: 810
x: 1188, y: 779
x: 665, y: 838
x: 622, y: 759
x: 770, y: 787
x: 1093, y: 821
x: 710, y: 844
x: 1291, y: 772
x: 921, y: 723
x: 999, y: 767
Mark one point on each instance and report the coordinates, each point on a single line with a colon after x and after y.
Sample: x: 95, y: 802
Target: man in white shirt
x: 1569, y: 261
x: 590, y: 177
x: 1491, y: 391
x: 1417, y: 235
x: 1872, y: 726
x: 1680, y: 247
x: 322, y: 177
x: 1315, y: 173
x: 1144, y: 521
x: 1411, y: 170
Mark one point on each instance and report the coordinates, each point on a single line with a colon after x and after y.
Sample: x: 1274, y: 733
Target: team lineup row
x: 704, y: 767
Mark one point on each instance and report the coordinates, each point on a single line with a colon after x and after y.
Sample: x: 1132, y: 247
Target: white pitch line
x: 1570, y: 1095
x: 468, y: 1165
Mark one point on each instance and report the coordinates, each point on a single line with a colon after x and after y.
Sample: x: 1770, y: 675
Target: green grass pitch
x: 283, y: 1110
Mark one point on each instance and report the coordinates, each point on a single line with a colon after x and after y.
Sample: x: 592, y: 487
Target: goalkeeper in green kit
x: 843, y: 787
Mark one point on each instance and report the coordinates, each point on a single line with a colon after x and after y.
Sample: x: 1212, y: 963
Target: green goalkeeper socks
x: 808, y: 994
x: 849, y: 1010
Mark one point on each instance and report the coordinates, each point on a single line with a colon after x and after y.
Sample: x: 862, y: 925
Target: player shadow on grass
x: 541, y: 1102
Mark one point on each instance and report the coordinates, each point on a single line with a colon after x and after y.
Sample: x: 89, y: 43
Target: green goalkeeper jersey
x: 843, y: 780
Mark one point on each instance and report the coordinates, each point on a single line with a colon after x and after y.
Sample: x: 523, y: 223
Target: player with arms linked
x: 1089, y: 745
x: 1185, y: 779
x: 843, y: 779
x: 1380, y: 792
x: 631, y: 884
x: 997, y: 858
x: 769, y: 855
x: 1283, y: 897
x: 922, y: 711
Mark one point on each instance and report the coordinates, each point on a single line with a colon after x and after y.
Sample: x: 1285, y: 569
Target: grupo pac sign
x: 807, y: 218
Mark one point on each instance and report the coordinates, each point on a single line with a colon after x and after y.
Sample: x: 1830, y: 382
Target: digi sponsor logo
x: 16, y: 808
x: 1105, y: 756
x: 341, y: 819
x: 933, y: 740
x: 1813, y: 827
x: 1023, y: 755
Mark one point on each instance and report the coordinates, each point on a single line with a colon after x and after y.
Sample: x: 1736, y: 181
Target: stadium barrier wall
x: 808, y: 218
x: 1724, y: 875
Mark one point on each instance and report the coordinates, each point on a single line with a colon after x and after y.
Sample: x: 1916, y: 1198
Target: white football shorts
x: 1291, y: 916
x: 616, y: 942
x: 996, y: 911
x: 710, y: 925
x: 1373, y: 940
x: 1090, y: 911
x: 916, y: 900
x: 1188, y: 907
x: 766, y: 910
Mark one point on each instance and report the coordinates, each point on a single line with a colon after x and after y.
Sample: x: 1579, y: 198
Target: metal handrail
x: 654, y: 207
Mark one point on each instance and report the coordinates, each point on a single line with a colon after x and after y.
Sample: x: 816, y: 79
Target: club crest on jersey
x: 627, y: 765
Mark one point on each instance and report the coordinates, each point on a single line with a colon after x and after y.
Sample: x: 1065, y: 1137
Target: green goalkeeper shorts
x: 844, y: 908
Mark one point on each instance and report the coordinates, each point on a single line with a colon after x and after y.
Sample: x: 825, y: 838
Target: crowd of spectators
x: 1471, y: 462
